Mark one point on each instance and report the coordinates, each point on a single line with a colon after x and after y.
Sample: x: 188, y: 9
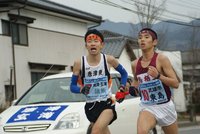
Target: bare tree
x: 149, y: 11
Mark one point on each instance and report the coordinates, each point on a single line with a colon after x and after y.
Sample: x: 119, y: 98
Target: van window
x: 51, y: 90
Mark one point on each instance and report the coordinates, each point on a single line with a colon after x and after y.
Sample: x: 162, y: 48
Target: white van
x: 50, y: 107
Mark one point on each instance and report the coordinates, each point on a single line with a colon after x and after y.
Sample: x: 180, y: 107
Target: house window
x: 39, y: 70
x: 19, y: 32
x: 20, y: 35
x: 36, y: 76
x: 5, y: 27
x: 9, y: 93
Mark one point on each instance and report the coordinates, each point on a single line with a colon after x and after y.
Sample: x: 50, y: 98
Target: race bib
x: 98, y: 90
x: 153, y: 92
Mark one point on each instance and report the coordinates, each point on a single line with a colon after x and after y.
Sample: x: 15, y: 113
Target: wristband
x: 122, y: 88
x: 133, y: 91
x: 73, y: 86
x: 158, y: 76
x: 123, y: 74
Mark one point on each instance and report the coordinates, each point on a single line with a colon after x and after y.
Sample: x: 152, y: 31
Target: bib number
x: 99, y: 88
x: 153, y: 92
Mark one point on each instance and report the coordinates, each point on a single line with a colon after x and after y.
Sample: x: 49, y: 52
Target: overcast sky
x: 180, y: 10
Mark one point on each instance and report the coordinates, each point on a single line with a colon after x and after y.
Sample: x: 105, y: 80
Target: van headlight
x: 71, y: 120
x: 1, y: 127
x: 0, y: 121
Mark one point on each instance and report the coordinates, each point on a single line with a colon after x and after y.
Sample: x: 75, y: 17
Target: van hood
x: 40, y: 113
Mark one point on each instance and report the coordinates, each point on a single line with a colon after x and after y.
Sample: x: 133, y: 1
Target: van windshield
x: 53, y: 91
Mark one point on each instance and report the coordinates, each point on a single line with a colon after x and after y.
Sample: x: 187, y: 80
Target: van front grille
x: 26, y: 128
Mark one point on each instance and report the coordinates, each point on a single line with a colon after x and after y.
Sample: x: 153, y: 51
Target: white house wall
x: 54, y: 23
x: 6, y: 63
x: 124, y: 59
x: 54, y: 47
x: 45, y: 47
x: 51, y: 40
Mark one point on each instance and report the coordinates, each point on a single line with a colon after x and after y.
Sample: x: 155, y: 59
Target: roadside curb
x: 188, y: 123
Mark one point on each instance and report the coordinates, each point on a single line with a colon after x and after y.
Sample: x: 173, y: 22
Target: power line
x: 165, y: 10
x: 192, y: 4
x: 144, y: 4
x: 109, y: 3
x: 187, y: 6
x: 195, y: 2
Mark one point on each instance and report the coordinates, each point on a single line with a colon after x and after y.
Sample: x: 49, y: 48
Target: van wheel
x: 153, y: 131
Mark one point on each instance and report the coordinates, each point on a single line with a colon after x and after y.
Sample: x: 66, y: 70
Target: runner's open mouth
x: 93, y: 49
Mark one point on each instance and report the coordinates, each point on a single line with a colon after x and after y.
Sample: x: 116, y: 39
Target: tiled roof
x: 107, y: 34
x: 114, y: 46
x: 115, y: 43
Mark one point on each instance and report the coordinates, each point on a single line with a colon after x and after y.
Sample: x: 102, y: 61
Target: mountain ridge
x: 177, y: 37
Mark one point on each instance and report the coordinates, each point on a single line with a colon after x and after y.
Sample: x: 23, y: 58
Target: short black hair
x: 94, y: 31
x: 151, y: 30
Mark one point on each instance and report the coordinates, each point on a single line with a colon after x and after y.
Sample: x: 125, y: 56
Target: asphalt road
x: 190, y: 130
x: 195, y: 129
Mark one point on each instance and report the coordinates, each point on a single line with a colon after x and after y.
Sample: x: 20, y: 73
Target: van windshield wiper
x: 40, y: 102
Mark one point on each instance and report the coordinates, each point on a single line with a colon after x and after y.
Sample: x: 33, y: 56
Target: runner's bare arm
x: 112, y: 62
x: 133, y: 67
x: 77, y: 67
x: 169, y: 76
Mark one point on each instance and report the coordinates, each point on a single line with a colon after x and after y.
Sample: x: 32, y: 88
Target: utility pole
x: 192, y: 81
x: 12, y: 21
x: 13, y: 57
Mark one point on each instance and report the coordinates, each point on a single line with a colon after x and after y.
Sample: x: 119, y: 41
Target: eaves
x: 53, y: 7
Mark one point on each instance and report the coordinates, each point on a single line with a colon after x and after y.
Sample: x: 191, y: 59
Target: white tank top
x: 95, y: 76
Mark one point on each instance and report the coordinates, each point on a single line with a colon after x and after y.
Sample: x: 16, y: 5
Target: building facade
x: 38, y: 38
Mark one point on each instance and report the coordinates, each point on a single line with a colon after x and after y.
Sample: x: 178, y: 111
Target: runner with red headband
x: 94, y: 72
x: 153, y: 77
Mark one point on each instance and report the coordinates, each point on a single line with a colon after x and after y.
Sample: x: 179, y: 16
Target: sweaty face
x: 94, y: 44
x: 146, y: 41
